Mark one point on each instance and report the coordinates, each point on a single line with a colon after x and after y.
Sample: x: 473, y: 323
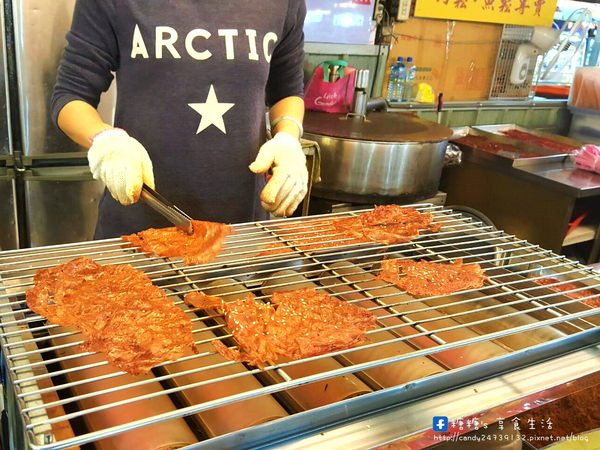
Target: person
x: 194, y: 80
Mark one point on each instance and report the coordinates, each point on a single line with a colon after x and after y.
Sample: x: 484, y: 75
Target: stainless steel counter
x: 548, y: 167
x: 554, y: 173
x: 524, y: 189
x: 563, y: 176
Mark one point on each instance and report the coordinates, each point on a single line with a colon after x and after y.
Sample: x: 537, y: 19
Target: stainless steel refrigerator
x: 47, y: 194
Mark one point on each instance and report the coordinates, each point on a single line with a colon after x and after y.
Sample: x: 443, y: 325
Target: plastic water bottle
x: 400, y: 81
x: 394, y: 93
x: 392, y: 82
x: 411, y: 74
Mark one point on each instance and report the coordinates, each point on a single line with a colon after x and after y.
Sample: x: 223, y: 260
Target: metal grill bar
x: 319, y: 377
x: 438, y: 253
x: 251, y: 267
x: 90, y: 437
x: 513, y: 268
x: 490, y: 296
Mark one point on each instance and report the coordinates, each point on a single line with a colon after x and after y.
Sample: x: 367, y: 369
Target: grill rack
x: 512, y: 266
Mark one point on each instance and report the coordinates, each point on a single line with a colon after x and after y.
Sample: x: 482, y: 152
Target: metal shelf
x: 582, y: 233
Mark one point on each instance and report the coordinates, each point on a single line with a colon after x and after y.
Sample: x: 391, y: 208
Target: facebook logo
x: 440, y: 423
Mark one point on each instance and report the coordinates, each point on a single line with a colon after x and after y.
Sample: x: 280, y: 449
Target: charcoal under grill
x: 463, y: 354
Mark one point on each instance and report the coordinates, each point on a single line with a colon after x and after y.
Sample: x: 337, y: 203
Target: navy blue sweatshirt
x: 193, y: 81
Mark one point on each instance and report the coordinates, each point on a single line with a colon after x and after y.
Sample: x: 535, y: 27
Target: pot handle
x: 459, y: 132
x: 453, y: 155
x: 376, y: 104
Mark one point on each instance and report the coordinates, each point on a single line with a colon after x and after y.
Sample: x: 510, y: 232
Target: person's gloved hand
x: 289, y: 183
x: 122, y: 163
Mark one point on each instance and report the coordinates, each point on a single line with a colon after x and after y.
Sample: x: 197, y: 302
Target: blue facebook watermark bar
x: 440, y: 423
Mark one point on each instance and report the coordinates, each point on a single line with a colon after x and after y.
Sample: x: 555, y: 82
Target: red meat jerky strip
x: 118, y: 310
x: 426, y: 278
x: 202, y: 246
x: 389, y: 224
x: 297, y: 324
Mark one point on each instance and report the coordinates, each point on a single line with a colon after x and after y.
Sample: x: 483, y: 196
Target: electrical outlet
x: 403, y: 10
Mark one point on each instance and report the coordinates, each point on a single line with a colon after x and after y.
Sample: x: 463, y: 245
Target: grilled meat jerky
x: 297, y: 324
x: 594, y: 301
x: 118, y: 310
x: 424, y: 278
x: 202, y: 246
x: 389, y: 224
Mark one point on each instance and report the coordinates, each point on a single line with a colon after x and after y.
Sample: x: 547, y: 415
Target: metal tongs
x: 167, y: 209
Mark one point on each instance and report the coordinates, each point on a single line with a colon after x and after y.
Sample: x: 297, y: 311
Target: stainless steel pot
x: 387, y: 158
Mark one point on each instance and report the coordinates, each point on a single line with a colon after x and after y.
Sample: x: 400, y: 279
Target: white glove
x: 289, y: 183
x: 122, y: 163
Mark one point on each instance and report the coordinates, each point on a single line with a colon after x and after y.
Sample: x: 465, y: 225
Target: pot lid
x: 377, y: 126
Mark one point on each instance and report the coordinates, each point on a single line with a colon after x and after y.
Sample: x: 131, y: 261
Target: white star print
x: 212, y: 111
